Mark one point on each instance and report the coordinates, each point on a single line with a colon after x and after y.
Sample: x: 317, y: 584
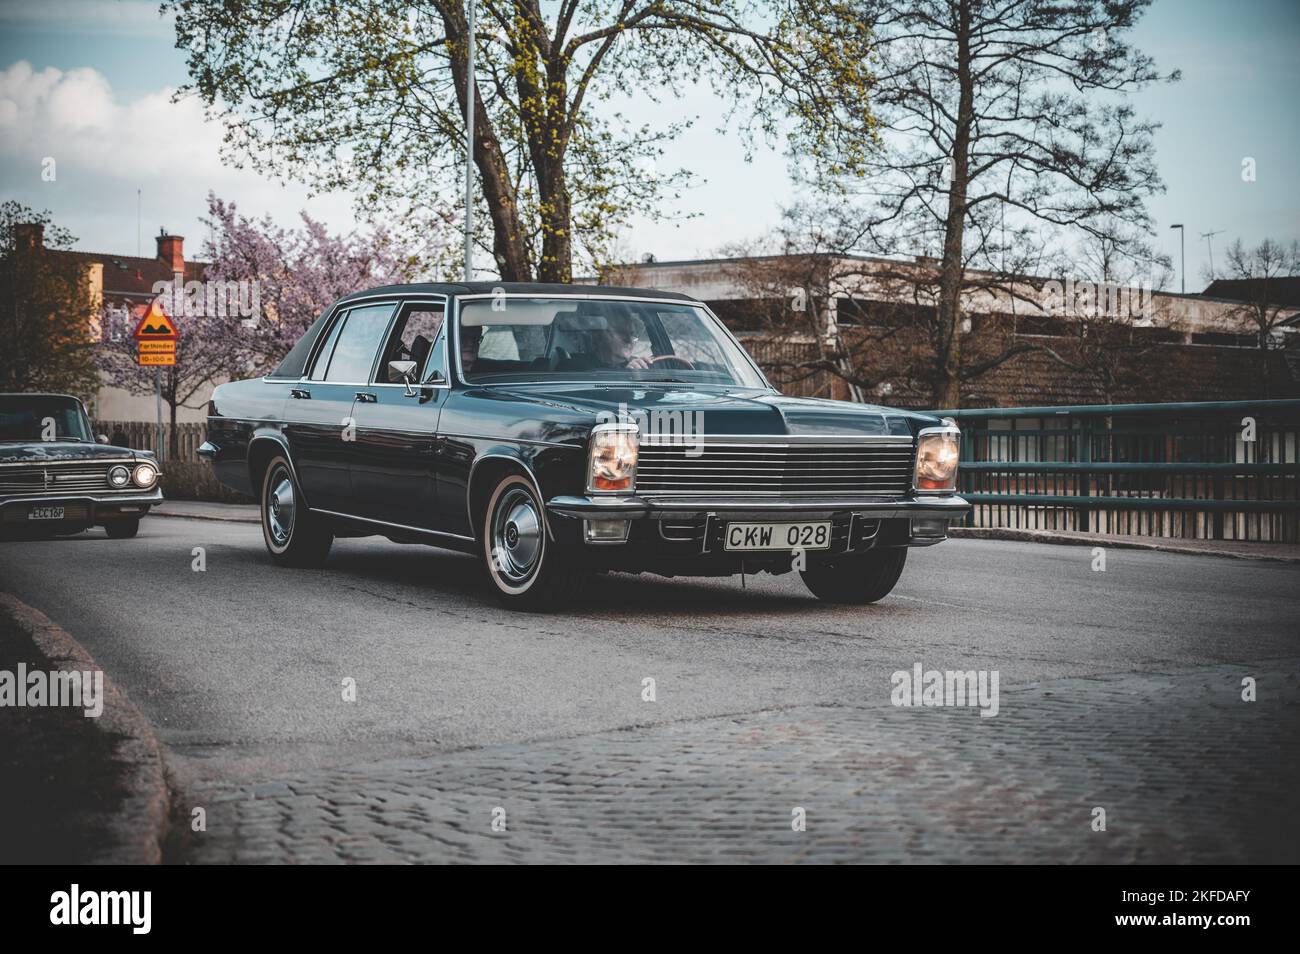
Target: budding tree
x: 372, y: 95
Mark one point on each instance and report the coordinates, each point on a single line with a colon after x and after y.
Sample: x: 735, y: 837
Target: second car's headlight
x: 119, y: 477
x: 937, y: 452
x: 613, y: 456
x: 145, y: 475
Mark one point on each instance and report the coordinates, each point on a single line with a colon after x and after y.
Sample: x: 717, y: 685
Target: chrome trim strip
x: 501, y: 439
x: 773, y: 440
x: 399, y: 526
x: 55, y: 462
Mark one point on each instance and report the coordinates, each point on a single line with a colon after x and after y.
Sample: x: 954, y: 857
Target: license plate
x: 45, y: 513
x: 778, y: 536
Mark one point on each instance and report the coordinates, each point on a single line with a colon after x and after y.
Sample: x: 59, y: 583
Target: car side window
x: 322, y: 362
x: 357, y: 343
x: 412, y: 338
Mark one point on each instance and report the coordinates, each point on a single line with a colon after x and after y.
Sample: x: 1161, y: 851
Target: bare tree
x: 1256, y: 272
x: 1005, y: 129
x: 876, y: 319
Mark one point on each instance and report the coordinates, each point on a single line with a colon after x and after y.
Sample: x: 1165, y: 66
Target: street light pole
x: 469, y: 148
x: 1182, y: 252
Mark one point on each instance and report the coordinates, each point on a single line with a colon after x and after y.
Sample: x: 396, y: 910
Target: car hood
x: 722, y: 411
x: 45, y: 451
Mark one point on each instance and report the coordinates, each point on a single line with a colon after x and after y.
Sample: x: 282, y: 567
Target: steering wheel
x: 677, y: 361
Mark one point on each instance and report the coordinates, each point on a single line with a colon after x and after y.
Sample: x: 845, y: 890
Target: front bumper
x: 645, y: 531
x: 88, y: 509
x: 637, y: 508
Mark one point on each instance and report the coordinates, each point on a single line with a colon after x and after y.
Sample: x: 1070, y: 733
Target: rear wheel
x: 122, y: 528
x: 856, y: 578
x: 293, y: 535
x: 527, y: 570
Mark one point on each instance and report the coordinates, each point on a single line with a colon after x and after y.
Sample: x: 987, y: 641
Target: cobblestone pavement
x: 1185, y: 770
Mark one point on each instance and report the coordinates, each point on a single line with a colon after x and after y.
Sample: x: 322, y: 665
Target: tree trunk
x: 947, y: 392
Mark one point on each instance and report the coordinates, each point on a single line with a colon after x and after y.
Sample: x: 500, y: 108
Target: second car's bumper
x: 81, y: 508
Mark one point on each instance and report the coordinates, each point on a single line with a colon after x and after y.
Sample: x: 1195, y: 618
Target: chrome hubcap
x: 516, y: 536
x: 280, y: 507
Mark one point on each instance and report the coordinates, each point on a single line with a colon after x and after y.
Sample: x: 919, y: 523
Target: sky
x: 90, y: 82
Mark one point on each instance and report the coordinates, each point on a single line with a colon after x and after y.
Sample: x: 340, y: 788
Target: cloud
x: 73, y: 116
x: 105, y: 149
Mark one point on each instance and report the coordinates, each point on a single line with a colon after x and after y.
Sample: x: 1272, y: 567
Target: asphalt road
x: 241, y: 666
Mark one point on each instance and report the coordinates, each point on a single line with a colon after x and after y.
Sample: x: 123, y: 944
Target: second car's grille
x: 794, y: 469
x: 53, y: 479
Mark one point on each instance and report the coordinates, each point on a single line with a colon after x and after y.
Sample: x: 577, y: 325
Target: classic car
x: 57, y: 478
x: 560, y: 431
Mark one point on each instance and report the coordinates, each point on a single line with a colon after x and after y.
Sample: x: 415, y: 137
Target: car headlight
x: 937, y: 452
x: 119, y: 477
x: 145, y: 475
x: 612, y: 459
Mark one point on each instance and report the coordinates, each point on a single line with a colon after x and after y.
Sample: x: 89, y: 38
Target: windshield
x: 552, y: 339
x: 35, y: 417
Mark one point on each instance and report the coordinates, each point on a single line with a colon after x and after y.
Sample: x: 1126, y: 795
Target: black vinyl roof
x: 515, y: 288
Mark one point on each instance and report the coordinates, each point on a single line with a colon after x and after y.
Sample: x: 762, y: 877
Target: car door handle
x: 300, y: 393
x: 365, y: 397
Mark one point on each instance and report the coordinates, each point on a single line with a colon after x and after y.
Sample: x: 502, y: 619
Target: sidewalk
x: 201, y: 510
x: 1244, y: 550
x: 84, y: 780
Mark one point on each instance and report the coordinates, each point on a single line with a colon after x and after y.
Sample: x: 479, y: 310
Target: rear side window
x: 349, y: 352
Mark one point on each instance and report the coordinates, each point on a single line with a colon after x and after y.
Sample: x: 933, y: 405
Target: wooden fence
x: 143, y: 435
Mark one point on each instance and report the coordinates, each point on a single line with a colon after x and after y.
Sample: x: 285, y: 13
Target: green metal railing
x: 1222, y: 470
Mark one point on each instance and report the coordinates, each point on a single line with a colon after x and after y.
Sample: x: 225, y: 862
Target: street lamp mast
x: 469, y: 148
x: 1182, y: 251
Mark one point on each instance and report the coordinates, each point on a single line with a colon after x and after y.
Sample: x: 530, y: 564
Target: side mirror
x: 402, y: 372
x: 101, y: 438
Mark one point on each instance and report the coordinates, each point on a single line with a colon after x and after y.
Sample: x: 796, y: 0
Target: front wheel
x: 123, y: 528
x: 293, y: 535
x: 528, y: 571
x: 856, y: 578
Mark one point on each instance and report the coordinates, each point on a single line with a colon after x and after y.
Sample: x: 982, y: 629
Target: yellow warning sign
x: 156, y: 326
x: 150, y: 346
x: 156, y: 359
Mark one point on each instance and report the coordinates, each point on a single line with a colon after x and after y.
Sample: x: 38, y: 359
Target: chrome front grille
x: 57, y: 478
x: 732, y: 469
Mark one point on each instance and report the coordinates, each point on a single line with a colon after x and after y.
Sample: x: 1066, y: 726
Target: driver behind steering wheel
x: 613, y: 349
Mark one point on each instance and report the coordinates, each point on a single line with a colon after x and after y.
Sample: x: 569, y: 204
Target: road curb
x: 137, y: 831
x: 158, y: 512
x: 1062, y: 538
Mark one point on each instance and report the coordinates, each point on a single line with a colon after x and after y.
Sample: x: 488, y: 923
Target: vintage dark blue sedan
x: 57, y: 478
x: 557, y: 431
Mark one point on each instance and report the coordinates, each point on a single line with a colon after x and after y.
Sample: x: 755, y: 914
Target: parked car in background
x: 57, y: 478
x: 555, y: 431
